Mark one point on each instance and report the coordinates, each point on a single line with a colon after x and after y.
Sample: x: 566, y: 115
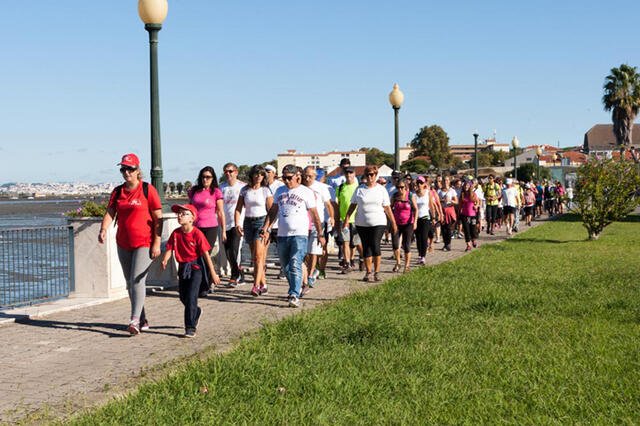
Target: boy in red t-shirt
x: 190, y: 247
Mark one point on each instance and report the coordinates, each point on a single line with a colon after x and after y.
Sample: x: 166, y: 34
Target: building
x: 384, y: 171
x: 600, y: 140
x: 327, y: 161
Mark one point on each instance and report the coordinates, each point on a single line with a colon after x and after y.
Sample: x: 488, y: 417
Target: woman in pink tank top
x: 404, y: 210
x: 469, y: 214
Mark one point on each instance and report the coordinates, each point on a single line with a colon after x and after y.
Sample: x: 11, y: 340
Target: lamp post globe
x: 515, y: 143
x: 153, y: 14
x: 396, y: 98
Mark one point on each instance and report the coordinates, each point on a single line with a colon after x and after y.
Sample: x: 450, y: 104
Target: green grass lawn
x: 543, y: 328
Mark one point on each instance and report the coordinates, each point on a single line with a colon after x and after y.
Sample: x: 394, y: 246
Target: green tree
x: 484, y: 159
x: 432, y: 141
x: 179, y: 187
x: 416, y: 165
x: 378, y: 157
x: 187, y: 185
x: 606, y: 191
x: 527, y: 172
x: 622, y: 98
x: 172, y: 187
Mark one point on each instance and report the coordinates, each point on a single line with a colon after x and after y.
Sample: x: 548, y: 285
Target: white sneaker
x: 294, y: 302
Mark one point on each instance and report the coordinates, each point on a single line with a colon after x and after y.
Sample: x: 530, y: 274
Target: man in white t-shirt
x: 230, y: 193
x: 510, y: 204
x: 323, y: 199
x: 292, y: 205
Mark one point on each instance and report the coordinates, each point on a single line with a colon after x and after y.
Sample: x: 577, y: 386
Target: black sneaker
x: 190, y: 332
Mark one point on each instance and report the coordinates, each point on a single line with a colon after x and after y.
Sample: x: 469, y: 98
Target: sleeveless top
x: 423, y: 205
x: 402, y: 210
x: 467, y: 207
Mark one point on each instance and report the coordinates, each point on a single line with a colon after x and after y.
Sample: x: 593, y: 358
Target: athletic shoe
x: 134, y: 328
x: 190, y: 332
x: 263, y: 289
x: 446, y: 248
x: 376, y: 277
x: 322, y: 275
x: 294, y: 302
x: 311, y: 282
x: 144, y: 326
x: 368, y: 277
x: 203, y: 294
x: 396, y: 268
x: 421, y: 261
x: 345, y: 271
x: 281, y: 275
x: 233, y: 283
x: 198, y: 317
x: 255, y: 291
x: 241, y: 280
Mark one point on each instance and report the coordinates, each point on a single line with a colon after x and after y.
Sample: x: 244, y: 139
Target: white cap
x: 269, y: 168
x: 509, y: 181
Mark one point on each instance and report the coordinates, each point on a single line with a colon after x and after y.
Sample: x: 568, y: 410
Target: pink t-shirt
x: 206, y: 203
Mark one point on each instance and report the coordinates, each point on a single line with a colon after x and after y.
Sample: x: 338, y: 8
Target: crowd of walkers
x: 301, y: 212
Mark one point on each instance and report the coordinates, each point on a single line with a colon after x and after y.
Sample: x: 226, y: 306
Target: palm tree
x: 622, y: 97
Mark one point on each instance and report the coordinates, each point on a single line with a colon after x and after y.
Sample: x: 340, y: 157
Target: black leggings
x: 469, y: 228
x: 405, y: 231
x: 211, y: 234
x: 370, y: 237
x: 422, y: 234
x: 447, y: 232
x: 231, y: 247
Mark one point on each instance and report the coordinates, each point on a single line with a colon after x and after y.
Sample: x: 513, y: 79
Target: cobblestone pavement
x: 73, y: 360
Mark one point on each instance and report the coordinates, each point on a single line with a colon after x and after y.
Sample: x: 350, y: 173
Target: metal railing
x: 36, y: 265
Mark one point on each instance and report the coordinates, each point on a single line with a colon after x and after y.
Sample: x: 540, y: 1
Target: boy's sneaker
x: 281, y: 275
x: 144, y: 326
x: 134, y: 328
x: 190, y: 332
x: 198, y: 317
x: 294, y: 302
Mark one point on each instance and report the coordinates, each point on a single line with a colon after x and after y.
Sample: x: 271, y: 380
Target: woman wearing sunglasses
x: 138, y: 210
x: 403, y: 205
x: 206, y: 197
x: 373, y: 209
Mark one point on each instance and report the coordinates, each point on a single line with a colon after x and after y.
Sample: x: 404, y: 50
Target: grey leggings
x: 135, y: 266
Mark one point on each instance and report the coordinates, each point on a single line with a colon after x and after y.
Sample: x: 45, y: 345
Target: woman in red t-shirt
x: 138, y: 210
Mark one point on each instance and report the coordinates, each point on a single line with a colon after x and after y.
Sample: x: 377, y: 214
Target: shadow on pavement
x: 108, y: 329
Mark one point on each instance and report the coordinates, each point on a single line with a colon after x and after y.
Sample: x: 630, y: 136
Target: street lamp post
x: 153, y: 14
x: 475, y: 155
x: 396, y: 98
x: 539, y: 154
x: 515, y: 143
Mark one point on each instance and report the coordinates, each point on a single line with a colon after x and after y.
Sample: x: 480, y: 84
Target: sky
x: 243, y: 81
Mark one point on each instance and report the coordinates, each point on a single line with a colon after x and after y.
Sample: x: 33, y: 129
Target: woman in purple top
x: 469, y: 203
x: 207, y: 199
x: 404, y: 210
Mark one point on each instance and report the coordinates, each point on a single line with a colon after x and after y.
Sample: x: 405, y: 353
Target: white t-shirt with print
x: 371, y: 203
x: 322, y: 191
x: 255, y: 201
x: 293, y: 206
x: 230, y: 194
x: 274, y: 187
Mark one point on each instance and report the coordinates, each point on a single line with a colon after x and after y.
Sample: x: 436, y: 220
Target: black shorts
x: 509, y: 210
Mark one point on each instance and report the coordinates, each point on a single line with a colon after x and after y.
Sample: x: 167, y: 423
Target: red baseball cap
x: 177, y: 207
x: 130, y: 160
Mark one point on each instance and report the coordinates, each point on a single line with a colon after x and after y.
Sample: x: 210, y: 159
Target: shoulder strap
x: 145, y: 189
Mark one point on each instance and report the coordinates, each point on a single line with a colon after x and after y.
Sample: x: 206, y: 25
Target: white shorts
x: 313, y: 246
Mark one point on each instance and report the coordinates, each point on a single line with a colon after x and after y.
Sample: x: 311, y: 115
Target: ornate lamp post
x: 475, y: 154
x: 396, y: 98
x: 539, y: 154
x: 515, y: 143
x: 153, y: 14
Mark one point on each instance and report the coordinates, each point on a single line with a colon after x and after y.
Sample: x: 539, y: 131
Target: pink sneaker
x: 255, y: 291
x: 264, y: 289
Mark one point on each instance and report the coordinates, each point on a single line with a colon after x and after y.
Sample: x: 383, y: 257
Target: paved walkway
x: 76, y: 359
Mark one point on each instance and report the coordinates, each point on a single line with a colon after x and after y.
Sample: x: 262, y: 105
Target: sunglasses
x: 401, y: 187
x: 207, y: 177
x: 370, y: 174
x: 288, y: 177
x: 124, y: 169
x: 229, y: 171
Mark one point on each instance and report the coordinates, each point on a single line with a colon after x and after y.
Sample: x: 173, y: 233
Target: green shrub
x: 89, y: 209
x: 606, y: 191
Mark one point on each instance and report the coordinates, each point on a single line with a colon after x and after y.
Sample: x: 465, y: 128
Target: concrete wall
x: 97, y: 269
